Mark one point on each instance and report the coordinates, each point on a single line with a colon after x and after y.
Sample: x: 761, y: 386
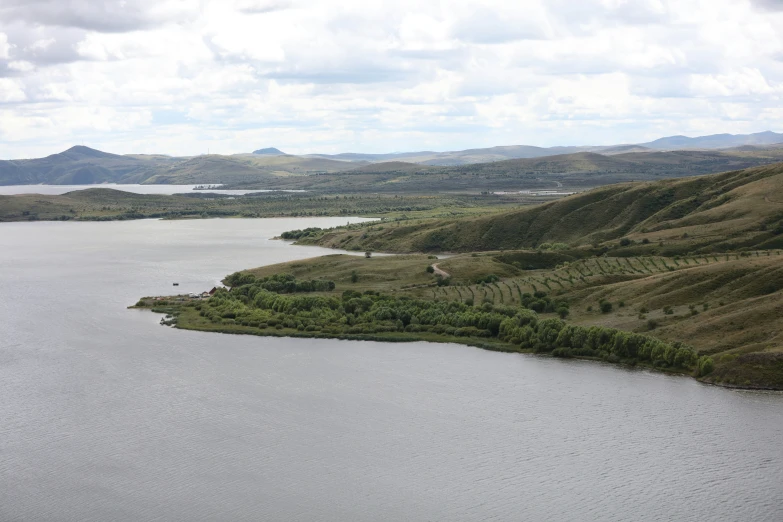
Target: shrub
x: 563, y: 312
x: 491, y: 278
x: 606, y: 307
x: 652, y: 324
x: 443, y: 281
x: 625, y: 242
x: 354, y: 276
x: 706, y: 365
x: 430, y: 269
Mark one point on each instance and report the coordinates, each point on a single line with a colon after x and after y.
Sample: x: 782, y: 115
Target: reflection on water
x: 105, y: 415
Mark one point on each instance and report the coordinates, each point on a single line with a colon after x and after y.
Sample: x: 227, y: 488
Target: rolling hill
x: 76, y: 166
x: 564, y: 173
x: 715, y: 141
x: 718, y: 212
x: 85, y: 166
x: 510, y: 168
x: 501, y: 153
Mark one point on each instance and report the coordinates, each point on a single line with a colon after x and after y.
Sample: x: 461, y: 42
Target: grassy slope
x: 575, y: 171
x: 84, y: 166
x: 101, y: 203
x: 263, y: 171
x: 714, y: 212
x: 741, y: 326
x: 81, y: 165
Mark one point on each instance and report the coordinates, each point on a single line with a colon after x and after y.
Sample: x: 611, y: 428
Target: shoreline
x: 404, y: 337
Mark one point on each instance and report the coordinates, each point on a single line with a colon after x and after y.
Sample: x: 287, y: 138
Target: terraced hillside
x: 728, y: 306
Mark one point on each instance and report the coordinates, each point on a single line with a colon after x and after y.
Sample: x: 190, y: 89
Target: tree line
x: 272, y: 302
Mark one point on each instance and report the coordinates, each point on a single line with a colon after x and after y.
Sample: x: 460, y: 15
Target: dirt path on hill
x: 440, y: 272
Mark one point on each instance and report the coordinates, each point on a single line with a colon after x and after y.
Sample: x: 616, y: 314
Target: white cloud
x: 5, y: 47
x: 11, y: 91
x: 180, y: 76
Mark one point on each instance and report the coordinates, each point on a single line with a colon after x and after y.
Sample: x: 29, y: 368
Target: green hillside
x: 110, y: 204
x: 563, y: 172
x: 699, y: 214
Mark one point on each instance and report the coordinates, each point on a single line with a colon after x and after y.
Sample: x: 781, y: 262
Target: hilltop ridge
x: 700, y: 214
x: 502, y: 168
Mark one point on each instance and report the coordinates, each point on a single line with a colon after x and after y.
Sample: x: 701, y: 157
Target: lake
x: 106, y: 415
x: 53, y: 190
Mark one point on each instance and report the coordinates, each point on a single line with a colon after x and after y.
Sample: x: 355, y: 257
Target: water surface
x: 105, y: 415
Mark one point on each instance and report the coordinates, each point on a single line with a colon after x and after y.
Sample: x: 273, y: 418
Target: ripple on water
x: 108, y: 416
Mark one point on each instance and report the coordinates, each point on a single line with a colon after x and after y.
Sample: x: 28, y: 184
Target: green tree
x: 706, y: 365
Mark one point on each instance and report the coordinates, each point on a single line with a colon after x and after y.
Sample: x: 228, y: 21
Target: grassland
x: 681, y: 275
x: 727, y: 307
x: 574, y: 171
x: 567, y: 172
x: 715, y: 213
x: 109, y: 204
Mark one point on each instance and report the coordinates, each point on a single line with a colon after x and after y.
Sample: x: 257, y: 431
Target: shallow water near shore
x: 106, y: 415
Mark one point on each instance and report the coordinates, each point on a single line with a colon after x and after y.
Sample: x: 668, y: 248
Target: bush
x: 491, y: 278
x: 430, y: 269
x: 624, y: 242
x: 443, y: 281
x: 606, y: 307
x: 371, y: 312
x: 652, y: 324
x: 706, y: 365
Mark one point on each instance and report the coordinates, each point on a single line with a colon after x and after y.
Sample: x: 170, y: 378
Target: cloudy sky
x: 184, y: 76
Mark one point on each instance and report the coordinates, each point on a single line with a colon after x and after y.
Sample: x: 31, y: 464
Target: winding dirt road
x: 440, y: 272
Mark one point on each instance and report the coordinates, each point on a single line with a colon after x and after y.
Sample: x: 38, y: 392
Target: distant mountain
x: 85, y: 166
x: 76, y: 166
x: 269, y: 151
x: 666, y: 157
x: 509, y: 152
x: 715, y: 141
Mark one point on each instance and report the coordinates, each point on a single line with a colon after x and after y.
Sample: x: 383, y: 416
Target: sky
x: 185, y: 77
